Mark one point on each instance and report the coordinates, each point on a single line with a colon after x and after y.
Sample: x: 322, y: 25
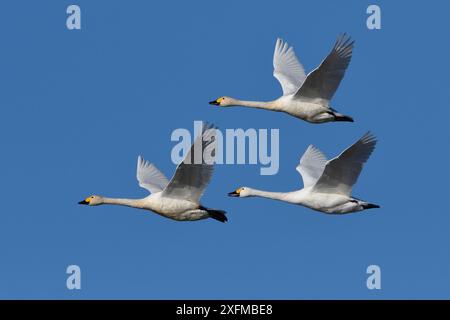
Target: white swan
x: 304, y: 97
x: 327, y: 184
x: 177, y: 199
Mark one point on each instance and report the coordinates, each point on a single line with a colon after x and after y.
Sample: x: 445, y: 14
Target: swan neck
x: 270, y: 195
x: 255, y: 104
x: 135, y: 203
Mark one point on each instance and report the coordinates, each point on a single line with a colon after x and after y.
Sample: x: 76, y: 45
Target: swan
x: 177, y: 199
x: 327, y: 184
x: 304, y: 97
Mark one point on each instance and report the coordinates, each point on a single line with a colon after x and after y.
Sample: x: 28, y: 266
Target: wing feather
x: 341, y: 173
x: 287, y: 69
x: 191, y: 177
x: 311, y: 166
x: 322, y: 82
x: 149, y: 177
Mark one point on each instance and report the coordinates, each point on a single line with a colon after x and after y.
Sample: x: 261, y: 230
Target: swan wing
x: 287, y: 69
x: 341, y: 173
x: 322, y: 82
x: 311, y: 166
x: 191, y: 178
x: 149, y: 177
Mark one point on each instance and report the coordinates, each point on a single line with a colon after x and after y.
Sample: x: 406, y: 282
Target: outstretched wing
x: 287, y: 69
x: 194, y: 173
x: 311, y: 166
x: 150, y: 177
x: 322, y: 82
x: 341, y: 173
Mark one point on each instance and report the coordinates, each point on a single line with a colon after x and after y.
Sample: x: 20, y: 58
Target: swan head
x: 241, y: 192
x: 92, y: 200
x: 223, y: 102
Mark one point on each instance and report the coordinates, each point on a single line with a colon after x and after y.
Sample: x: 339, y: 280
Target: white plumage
x: 306, y: 97
x: 327, y: 184
x: 311, y: 166
x: 287, y: 69
x: 179, y: 198
x: 149, y: 177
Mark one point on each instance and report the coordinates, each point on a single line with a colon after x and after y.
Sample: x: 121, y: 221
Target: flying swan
x: 177, y: 199
x: 327, y: 184
x: 304, y: 97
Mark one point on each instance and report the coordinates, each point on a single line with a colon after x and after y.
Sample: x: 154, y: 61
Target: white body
x: 176, y: 209
x: 313, y: 112
x: 323, y: 202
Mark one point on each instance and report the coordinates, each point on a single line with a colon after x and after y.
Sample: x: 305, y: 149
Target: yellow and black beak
x: 216, y: 102
x: 85, y: 201
x: 235, y: 193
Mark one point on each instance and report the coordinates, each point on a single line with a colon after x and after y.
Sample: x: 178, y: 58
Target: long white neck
x: 134, y: 203
x: 282, y: 196
x: 255, y: 104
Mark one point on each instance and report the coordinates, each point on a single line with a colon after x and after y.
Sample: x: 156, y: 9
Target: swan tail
x: 369, y: 205
x: 363, y: 205
x: 216, y: 214
x: 340, y: 117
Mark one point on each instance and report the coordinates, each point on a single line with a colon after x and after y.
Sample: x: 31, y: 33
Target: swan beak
x: 234, y: 194
x: 215, y: 102
x: 85, y: 201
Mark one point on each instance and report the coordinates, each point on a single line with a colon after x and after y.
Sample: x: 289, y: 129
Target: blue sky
x: 78, y: 107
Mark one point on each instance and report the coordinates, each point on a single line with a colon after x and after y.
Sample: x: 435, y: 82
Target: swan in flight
x: 177, y: 199
x: 327, y: 184
x: 305, y: 97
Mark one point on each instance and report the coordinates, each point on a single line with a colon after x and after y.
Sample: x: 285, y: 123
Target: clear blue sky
x: 77, y: 107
